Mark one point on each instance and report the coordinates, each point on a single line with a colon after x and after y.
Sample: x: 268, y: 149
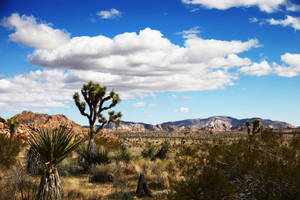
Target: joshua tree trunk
x: 92, y: 147
x: 50, y: 186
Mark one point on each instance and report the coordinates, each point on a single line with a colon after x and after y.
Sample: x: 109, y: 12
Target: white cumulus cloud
x: 133, y: 64
x: 268, y: 6
x: 257, y: 69
x: 291, y: 67
x: 291, y: 21
x: 109, y: 14
x: 33, y: 34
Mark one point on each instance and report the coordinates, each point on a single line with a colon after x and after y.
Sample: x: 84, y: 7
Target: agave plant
x: 53, y: 146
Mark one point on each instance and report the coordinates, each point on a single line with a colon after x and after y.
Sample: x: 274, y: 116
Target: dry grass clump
x: 17, y: 184
x: 156, y: 172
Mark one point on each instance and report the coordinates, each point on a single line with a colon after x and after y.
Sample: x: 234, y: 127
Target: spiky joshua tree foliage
x: 255, y: 128
x: 98, y: 101
x: 53, y: 146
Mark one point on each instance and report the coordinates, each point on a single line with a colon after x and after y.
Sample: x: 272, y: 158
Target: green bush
x: 125, y: 156
x: 264, y: 167
x: 9, y: 150
x: 85, y: 160
x: 148, y: 152
x: 69, y: 167
x: 162, y: 153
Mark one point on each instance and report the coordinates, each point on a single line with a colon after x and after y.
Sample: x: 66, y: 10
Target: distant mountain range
x: 30, y: 121
x: 216, y: 123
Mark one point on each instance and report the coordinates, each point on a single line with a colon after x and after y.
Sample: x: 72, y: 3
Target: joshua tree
x: 53, y: 146
x: 12, y: 127
x: 256, y: 127
x: 95, y: 97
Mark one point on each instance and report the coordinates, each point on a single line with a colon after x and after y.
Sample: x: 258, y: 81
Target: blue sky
x: 169, y: 60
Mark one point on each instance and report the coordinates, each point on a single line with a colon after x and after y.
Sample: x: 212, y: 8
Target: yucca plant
x: 53, y: 146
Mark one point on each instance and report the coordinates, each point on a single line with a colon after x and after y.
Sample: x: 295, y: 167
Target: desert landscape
x: 149, y: 99
x: 176, y: 160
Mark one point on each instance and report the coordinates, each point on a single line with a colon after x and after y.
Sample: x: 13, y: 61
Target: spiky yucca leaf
x: 53, y: 145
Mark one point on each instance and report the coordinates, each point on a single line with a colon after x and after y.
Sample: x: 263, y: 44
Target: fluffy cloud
x: 291, y: 21
x: 257, y: 69
x: 134, y: 64
x: 182, y: 109
x: 291, y: 69
x: 264, y: 5
x: 28, y: 91
x: 30, y: 33
x: 109, y: 14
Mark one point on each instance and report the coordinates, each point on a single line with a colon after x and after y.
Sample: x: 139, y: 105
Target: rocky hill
x: 31, y: 122
x: 216, y: 123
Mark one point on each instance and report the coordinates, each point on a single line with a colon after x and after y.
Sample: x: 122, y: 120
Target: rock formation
x: 31, y: 122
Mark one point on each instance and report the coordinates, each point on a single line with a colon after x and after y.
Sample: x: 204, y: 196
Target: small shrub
x: 101, y: 174
x: 125, y: 156
x: 148, y: 152
x: 162, y: 153
x: 69, y: 167
x: 9, y: 150
x: 85, y: 160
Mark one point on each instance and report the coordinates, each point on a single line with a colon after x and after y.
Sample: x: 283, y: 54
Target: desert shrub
x: 125, y: 156
x: 101, y: 173
x: 120, y: 183
x: 18, y: 185
x: 148, y: 152
x: 85, y: 160
x: 69, y: 167
x: 162, y: 153
x: 9, y: 150
x: 267, y: 170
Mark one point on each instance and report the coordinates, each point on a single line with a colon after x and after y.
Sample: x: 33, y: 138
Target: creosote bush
x: 269, y: 170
